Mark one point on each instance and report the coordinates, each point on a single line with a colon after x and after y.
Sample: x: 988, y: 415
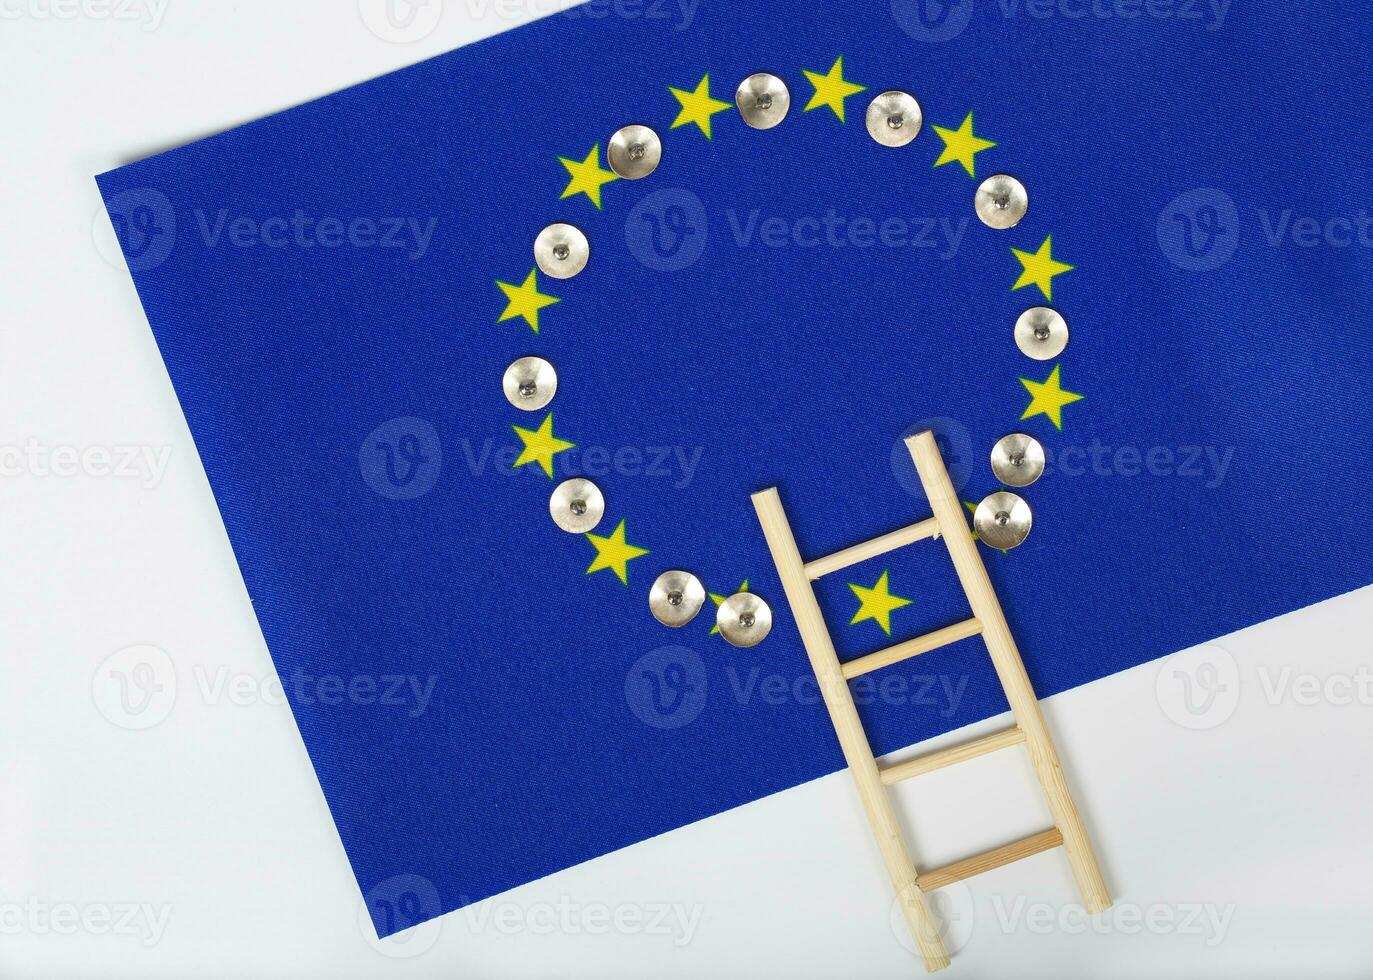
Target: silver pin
x: 1001, y: 201
x: 1041, y: 333
x: 1002, y: 520
x: 894, y: 118
x: 561, y: 251
x: 744, y: 619
x: 763, y: 100
x: 577, y: 506
x: 634, y: 152
x: 530, y: 383
x: 1018, y: 459
x: 676, y: 598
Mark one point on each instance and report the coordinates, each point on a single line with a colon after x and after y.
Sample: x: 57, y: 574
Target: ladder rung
x: 910, y: 648
x: 997, y: 858
x: 922, y: 764
x: 871, y: 549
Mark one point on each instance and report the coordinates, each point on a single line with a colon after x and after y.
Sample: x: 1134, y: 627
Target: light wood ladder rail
x: 871, y: 779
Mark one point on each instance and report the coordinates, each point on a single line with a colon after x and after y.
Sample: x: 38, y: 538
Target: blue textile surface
x: 769, y: 308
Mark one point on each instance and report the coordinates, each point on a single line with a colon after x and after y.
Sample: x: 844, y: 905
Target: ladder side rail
x: 972, y: 574
x: 852, y: 738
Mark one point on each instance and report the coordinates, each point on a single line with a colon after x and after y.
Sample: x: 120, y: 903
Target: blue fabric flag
x: 338, y: 289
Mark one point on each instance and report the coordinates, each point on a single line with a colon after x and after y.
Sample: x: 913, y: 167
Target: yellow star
x: 877, y: 604
x: 961, y: 146
x: 697, y: 106
x: 614, y: 553
x: 719, y: 600
x: 831, y: 89
x: 525, y: 300
x: 587, y: 176
x: 1048, y: 398
x: 1040, y: 268
x: 540, y: 446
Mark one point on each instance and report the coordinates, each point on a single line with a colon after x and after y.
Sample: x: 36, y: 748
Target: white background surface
x: 1232, y: 828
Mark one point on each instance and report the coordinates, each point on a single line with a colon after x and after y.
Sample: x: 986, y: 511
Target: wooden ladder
x: 949, y: 523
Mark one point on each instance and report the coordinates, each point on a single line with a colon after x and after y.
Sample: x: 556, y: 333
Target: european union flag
x: 1135, y: 232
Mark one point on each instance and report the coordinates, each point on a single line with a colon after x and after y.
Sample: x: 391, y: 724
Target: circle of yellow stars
x: 697, y: 107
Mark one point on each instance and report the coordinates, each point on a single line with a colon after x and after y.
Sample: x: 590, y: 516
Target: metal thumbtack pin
x: 744, y: 619
x: 634, y: 152
x: 763, y: 100
x: 676, y: 598
x: 894, y: 118
x: 561, y: 251
x: 530, y: 383
x: 577, y: 506
x: 1018, y: 460
x: 1041, y: 333
x: 1001, y: 201
x: 1002, y: 520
